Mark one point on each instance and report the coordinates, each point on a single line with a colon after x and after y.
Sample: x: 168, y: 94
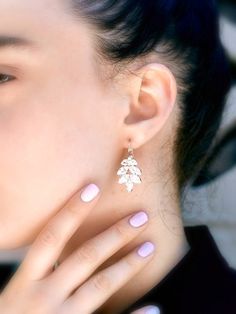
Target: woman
x: 85, y: 84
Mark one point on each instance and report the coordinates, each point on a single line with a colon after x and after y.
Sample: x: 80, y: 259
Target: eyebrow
x: 15, y: 42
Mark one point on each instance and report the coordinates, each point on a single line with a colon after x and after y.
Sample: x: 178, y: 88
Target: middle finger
x: 84, y: 261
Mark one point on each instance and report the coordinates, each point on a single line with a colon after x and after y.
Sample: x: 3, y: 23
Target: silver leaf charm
x: 129, y: 173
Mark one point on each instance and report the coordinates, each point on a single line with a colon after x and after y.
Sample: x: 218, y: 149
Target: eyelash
x: 5, y: 76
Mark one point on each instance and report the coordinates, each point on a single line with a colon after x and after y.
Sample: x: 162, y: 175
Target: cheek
x: 47, y: 153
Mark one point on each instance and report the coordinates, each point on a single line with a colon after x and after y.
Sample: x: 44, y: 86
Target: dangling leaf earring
x: 129, y: 172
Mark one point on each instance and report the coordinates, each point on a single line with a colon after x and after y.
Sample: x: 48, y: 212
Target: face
x: 56, y: 114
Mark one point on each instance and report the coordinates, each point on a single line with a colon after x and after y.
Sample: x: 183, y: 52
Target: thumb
x: 150, y: 309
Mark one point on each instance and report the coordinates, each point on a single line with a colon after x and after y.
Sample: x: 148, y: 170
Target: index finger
x: 51, y: 240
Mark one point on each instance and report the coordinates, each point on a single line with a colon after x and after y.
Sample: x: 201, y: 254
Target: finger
x: 150, y: 309
x: 51, y: 240
x: 84, y: 261
x: 106, y: 282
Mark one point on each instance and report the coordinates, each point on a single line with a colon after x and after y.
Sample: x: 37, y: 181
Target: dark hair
x: 185, y: 33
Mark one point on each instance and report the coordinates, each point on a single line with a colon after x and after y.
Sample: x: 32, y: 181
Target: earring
x: 129, y: 172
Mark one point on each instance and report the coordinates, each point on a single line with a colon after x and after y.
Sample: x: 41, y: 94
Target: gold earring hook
x: 130, y: 149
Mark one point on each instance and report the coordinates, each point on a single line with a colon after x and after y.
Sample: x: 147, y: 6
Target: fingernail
x: 138, y: 219
x: 146, y: 249
x: 89, y: 192
x: 153, y: 310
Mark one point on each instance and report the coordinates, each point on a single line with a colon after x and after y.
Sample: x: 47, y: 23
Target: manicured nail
x: 146, y: 249
x: 138, y: 219
x: 89, y: 192
x: 153, y: 310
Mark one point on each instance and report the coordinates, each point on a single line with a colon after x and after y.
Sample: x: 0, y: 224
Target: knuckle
x: 101, y: 282
x: 72, y: 210
x: 87, y: 253
x: 122, y: 231
x: 48, y: 237
x: 131, y: 261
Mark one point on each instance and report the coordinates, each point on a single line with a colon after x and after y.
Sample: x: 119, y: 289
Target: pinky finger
x: 93, y: 293
x: 150, y: 309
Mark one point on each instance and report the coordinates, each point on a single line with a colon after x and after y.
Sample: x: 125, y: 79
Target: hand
x: 36, y: 289
x: 150, y: 309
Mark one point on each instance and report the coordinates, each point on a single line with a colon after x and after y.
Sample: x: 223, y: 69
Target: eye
x: 4, y: 78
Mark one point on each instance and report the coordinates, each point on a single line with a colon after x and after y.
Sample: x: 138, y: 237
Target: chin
x: 11, y: 243
x: 14, y: 240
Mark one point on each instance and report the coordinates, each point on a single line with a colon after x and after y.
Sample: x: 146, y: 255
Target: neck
x: 165, y: 229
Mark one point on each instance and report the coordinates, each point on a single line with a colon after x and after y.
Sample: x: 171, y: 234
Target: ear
x: 153, y: 96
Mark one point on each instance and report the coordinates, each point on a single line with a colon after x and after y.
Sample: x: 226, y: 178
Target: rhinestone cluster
x: 129, y: 173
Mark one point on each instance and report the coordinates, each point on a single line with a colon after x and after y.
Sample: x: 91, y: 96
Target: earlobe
x: 152, y: 104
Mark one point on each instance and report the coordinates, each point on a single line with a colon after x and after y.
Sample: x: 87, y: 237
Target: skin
x: 36, y: 286
x: 62, y: 126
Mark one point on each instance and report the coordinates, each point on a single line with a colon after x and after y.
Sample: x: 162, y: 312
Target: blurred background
x: 211, y: 198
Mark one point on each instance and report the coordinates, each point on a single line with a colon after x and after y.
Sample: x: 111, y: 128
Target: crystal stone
x: 129, y: 173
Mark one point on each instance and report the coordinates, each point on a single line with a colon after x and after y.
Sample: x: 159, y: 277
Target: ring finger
x: 85, y: 260
x: 105, y: 283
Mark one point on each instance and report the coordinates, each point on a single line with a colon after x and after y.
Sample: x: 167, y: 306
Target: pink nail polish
x: 138, y: 219
x: 153, y: 310
x: 146, y: 249
x: 89, y: 192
